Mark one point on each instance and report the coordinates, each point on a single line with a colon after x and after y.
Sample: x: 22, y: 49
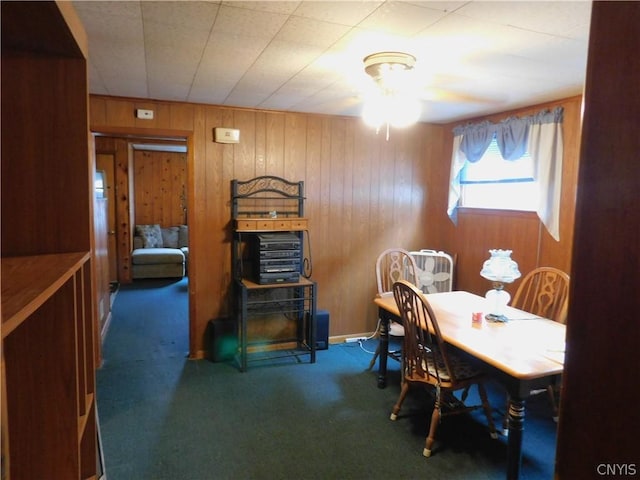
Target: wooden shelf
x: 251, y: 285
x: 28, y: 282
x: 49, y: 312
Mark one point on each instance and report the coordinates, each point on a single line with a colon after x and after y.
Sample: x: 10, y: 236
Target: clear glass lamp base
x: 498, y: 299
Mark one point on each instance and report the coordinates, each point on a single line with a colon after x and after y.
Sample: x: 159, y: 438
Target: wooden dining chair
x: 427, y: 361
x: 544, y: 291
x: 392, y: 265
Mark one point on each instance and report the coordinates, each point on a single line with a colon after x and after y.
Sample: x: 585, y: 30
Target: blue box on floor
x: 223, y: 339
x: 322, y: 329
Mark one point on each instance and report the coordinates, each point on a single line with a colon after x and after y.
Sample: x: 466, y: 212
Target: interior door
x: 106, y: 163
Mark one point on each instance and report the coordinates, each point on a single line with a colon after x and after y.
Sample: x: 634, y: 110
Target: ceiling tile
x: 311, y: 32
x: 341, y: 12
x: 401, y: 18
x: 245, y: 23
x: 474, y: 57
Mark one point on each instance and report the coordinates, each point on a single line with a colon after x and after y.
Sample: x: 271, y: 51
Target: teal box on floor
x: 223, y: 339
x: 322, y: 329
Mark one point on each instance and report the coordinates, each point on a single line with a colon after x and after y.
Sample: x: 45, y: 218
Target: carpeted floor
x: 163, y: 416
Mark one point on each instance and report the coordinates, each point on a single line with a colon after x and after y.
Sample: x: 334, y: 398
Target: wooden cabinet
x: 48, y: 307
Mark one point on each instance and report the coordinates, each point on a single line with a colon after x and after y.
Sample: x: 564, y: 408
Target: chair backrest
x: 435, y: 271
x: 392, y: 265
x: 424, y: 351
x: 544, y: 291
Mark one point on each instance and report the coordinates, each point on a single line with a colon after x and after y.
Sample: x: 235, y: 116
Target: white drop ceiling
x: 473, y: 57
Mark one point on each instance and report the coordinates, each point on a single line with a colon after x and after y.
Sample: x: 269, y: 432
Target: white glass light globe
x: 398, y: 111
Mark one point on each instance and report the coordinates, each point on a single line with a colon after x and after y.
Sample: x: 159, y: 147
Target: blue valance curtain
x: 540, y: 134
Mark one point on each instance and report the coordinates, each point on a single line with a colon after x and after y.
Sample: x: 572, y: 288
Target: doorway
x: 115, y: 155
x: 162, y: 195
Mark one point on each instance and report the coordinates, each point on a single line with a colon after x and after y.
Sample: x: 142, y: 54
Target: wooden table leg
x: 514, y: 443
x: 384, y: 348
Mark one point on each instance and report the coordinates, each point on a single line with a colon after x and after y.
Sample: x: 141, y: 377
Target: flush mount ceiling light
x: 394, y: 102
x: 379, y: 65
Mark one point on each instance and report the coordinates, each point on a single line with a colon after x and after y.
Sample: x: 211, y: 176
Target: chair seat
x: 396, y: 329
x: 462, y: 370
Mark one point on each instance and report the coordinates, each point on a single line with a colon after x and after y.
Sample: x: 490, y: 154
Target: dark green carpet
x: 166, y: 417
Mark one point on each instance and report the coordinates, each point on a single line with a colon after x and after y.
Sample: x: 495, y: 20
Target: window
x: 493, y: 182
x: 99, y: 184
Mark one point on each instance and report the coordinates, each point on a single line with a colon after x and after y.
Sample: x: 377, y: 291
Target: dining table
x: 523, y: 353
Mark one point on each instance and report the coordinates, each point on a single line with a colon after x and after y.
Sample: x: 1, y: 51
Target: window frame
x: 473, y: 191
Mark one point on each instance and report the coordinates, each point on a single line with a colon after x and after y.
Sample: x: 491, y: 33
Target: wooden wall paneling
x: 143, y: 188
x: 209, y: 224
x: 178, y: 169
x: 204, y: 225
x: 295, y: 146
x: 408, y: 203
x: 317, y: 207
x: 124, y: 205
x: 335, y: 260
x: 401, y: 202
x: 260, y: 143
x: 244, y: 153
x: 346, y: 248
x: 199, y: 156
x: 221, y: 209
x: 437, y: 228
x: 157, y: 188
x: 120, y: 113
x: 160, y: 188
x: 181, y: 116
x: 230, y: 156
x: 103, y: 145
x: 312, y: 207
x: 387, y: 236
x: 373, y: 243
x: 275, y: 144
x: 162, y: 115
x: 362, y: 257
x: 98, y: 111
x: 602, y: 324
